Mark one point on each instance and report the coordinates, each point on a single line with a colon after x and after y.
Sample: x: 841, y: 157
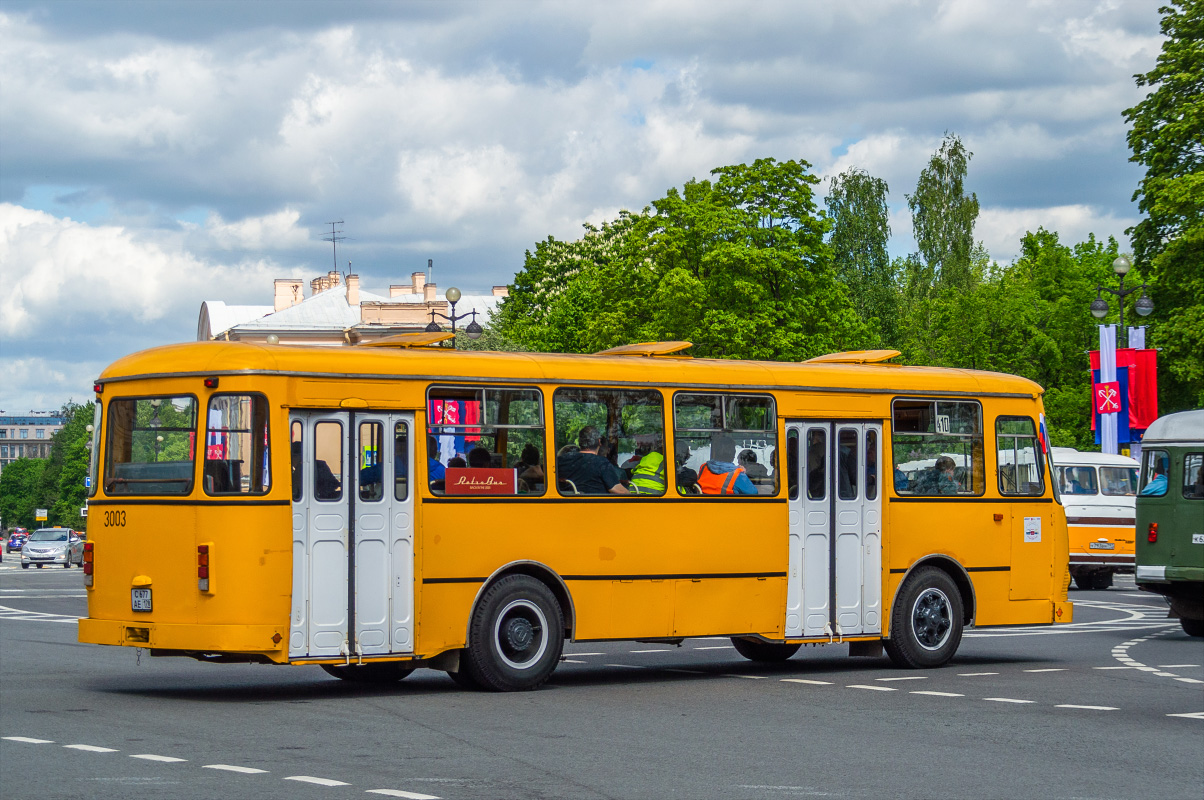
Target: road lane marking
x: 571, y: 654
x: 625, y: 666
x: 804, y: 680
x: 1112, y: 667
x: 1188, y: 680
x: 1007, y: 700
x: 1047, y: 669
x: 318, y: 781
x: 1192, y: 715
x: 164, y: 759
x: 974, y: 674
x: 937, y: 694
x: 233, y: 768
x: 90, y: 748
x: 687, y: 671
x: 572, y: 661
x: 750, y: 677
x: 1088, y: 708
x: 1176, y: 666
x: 906, y: 678
x: 27, y: 740
x: 654, y: 650
x: 872, y: 688
x: 400, y: 793
x: 1166, y: 674
x: 717, y: 647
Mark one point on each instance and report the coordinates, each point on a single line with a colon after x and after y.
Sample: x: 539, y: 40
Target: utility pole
x: 334, y: 238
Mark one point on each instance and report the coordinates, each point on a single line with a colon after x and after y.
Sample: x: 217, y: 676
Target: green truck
x: 1170, y: 516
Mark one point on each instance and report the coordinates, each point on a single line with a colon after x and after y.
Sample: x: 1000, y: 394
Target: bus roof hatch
x: 854, y: 357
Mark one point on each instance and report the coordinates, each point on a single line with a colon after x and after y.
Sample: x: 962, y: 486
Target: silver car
x: 52, y: 546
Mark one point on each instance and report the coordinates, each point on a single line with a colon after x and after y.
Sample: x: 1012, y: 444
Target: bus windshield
x: 152, y: 446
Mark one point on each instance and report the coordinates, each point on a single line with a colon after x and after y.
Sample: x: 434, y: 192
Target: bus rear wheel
x: 1101, y: 579
x: 764, y: 652
x: 1192, y: 627
x: 926, y: 621
x: 515, y: 637
x: 380, y: 672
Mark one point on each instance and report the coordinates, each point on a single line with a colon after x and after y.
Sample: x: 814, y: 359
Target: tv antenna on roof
x: 334, y: 238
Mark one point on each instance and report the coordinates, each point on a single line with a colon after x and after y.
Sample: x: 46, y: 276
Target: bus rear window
x: 236, y: 445
x: 151, y: 446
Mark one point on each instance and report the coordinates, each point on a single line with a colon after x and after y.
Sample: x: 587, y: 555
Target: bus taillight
x: 202, y: 567
x: 88, y: 563
x: 1152, y: 535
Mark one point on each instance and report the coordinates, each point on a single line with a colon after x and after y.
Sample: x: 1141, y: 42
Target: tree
x: 1169, y: 243
x: 943, y: 219
x: 860, y: 230
x: 55, y: 483
x: 19, y: 491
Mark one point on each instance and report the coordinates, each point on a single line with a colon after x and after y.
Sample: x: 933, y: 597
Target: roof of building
x: 216, y: 317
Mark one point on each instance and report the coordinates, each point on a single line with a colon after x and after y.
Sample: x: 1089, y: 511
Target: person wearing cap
x: 720, y: 475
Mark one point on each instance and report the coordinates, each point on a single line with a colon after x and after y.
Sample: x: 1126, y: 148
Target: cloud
x: 1001, y: 229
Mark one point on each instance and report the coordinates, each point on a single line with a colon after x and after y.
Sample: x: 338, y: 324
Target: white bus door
x: 835, y: 583
x: 353, y: 537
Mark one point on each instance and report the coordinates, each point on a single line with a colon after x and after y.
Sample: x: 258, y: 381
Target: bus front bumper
x: 266, y: 640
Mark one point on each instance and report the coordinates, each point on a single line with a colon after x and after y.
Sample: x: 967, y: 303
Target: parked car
x: 52, y: 546
x: 16, y: 540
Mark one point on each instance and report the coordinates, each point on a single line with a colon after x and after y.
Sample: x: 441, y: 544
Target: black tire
x: 379, y: 672
x: 515, y: 636
x: 41, y: 565
x: 1192, y: 627
x: 764, y: 652
x: 24, y: 566
x: 1084, y: 580
x: 67, y: 563
x: 926, y: 620
x: 463, y: 679
x: 1101, y: 580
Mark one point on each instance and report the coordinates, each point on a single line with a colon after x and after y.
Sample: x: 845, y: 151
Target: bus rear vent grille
x: 137, y: 635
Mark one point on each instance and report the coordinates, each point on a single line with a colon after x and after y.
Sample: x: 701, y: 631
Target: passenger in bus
x: 816, y: 480
x: 686, y: 477
x: 297, y: 470
x: 748, y: 460
x: 946, y: 483
x: 1078, y: 482
x: 721, y: 475
x: 326, y: 485
x: 589, y: 471
x: 648, y: 477
x: 455, y: 462
x: 480, y: 458
x: 530, y: 468
x: 1157, y: 485
x: 435, y: 469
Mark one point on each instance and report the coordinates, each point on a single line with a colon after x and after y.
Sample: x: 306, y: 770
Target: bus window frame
x: 1035, y: 437
x: 267, y: 445
x: 108, y: 443
x: 664, y: 438
x: 982, y: 437
x: 1184, y: 484
x: 774, y: 429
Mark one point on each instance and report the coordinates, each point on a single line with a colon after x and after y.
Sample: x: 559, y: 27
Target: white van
x: 1099, y: 493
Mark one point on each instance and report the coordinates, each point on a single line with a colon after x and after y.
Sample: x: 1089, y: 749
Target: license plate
x: 1101, y: 546
x: 141, y: 599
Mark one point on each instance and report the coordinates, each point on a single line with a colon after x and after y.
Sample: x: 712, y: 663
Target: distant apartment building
x: 338, y: 312
x: 27, y: 436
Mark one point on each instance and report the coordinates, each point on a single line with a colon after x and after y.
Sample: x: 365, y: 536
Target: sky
x: 154, y: 155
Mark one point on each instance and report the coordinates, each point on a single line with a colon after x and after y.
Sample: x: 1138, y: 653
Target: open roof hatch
x: 648, y: 349
x: 855, y: 357
x: 419, y: 339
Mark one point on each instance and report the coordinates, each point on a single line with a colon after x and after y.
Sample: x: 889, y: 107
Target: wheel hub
x: 931, y: 619
x: 519, y: 634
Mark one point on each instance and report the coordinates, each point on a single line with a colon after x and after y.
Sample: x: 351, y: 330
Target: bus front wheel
x: 380, y: 672
x: 515, y: 637
x: 926, y: 622
x: 765, y: 652
x: 1192, y: 627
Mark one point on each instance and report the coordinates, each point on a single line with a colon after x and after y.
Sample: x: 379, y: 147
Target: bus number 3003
x: 114, y: 519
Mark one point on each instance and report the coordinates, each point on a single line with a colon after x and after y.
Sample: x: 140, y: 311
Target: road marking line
x: 1147, y: 669
x: 1192, y: 715
x: 687, y: 671
x: 750, y: 677
x: 717, y: 647
x: 654, y: 650
x: 1166, y: 674
x: 939, y: 694
x: 873, y: 688
x: 1088, y: 708
x: 974, y: 674
x: 1112, y: 668
x: 1176, y: 666
x: 907, y: 678
x: 90, y: 748
x: 575, y: 654
x: 164, y: 759
x: 804, y: 680
x: 400, y: 793
x: 1049, y: 669
x: 1007, y: 700
x: 572, y: 661
x: 27, y: 740
x: 1189, y: 680
x: 626, y: 666
x: 318, y: 781
x: 232, y: 768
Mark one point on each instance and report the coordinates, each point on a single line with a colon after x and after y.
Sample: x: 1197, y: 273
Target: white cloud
x: 256, y: 234
x: 40, y: 384
x: 1001, y: 229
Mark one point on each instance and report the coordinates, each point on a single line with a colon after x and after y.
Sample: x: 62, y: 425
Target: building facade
x: 338, y: 312
x: 28, y: 435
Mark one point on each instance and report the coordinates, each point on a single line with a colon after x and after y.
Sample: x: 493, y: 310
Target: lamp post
x: 1099, y: 306
x: 473, y: 329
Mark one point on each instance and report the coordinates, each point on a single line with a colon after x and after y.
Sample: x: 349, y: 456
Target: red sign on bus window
x: 480, y: 481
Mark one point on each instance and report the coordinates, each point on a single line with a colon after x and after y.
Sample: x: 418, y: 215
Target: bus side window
x: 792, y: 463
x: 372, y: 479
x: 401, y: 461
x: 817, y: 477
x: 298, y: 459
x: 328, y: 461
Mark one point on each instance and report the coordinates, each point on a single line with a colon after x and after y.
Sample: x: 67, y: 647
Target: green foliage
x: 55, y: 483
x: 491, y: 339
x: 1167, y: 140
x: 860, y: 231
x: 737, y: 265
x: 943, y: 219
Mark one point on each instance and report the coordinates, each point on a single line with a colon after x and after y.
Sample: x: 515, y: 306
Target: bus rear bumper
x: 264, y: 640
x: 1063, y: 612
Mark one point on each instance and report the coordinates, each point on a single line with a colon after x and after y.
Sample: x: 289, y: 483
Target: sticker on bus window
x: 480, y: 480
x: 1032, y: 529
x: 942, y: 423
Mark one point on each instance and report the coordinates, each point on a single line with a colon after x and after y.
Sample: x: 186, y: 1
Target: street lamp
x: 1099, y: 306
x: 473, y: 330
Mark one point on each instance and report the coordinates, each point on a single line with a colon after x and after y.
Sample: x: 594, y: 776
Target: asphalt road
x: 1110, y: 707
